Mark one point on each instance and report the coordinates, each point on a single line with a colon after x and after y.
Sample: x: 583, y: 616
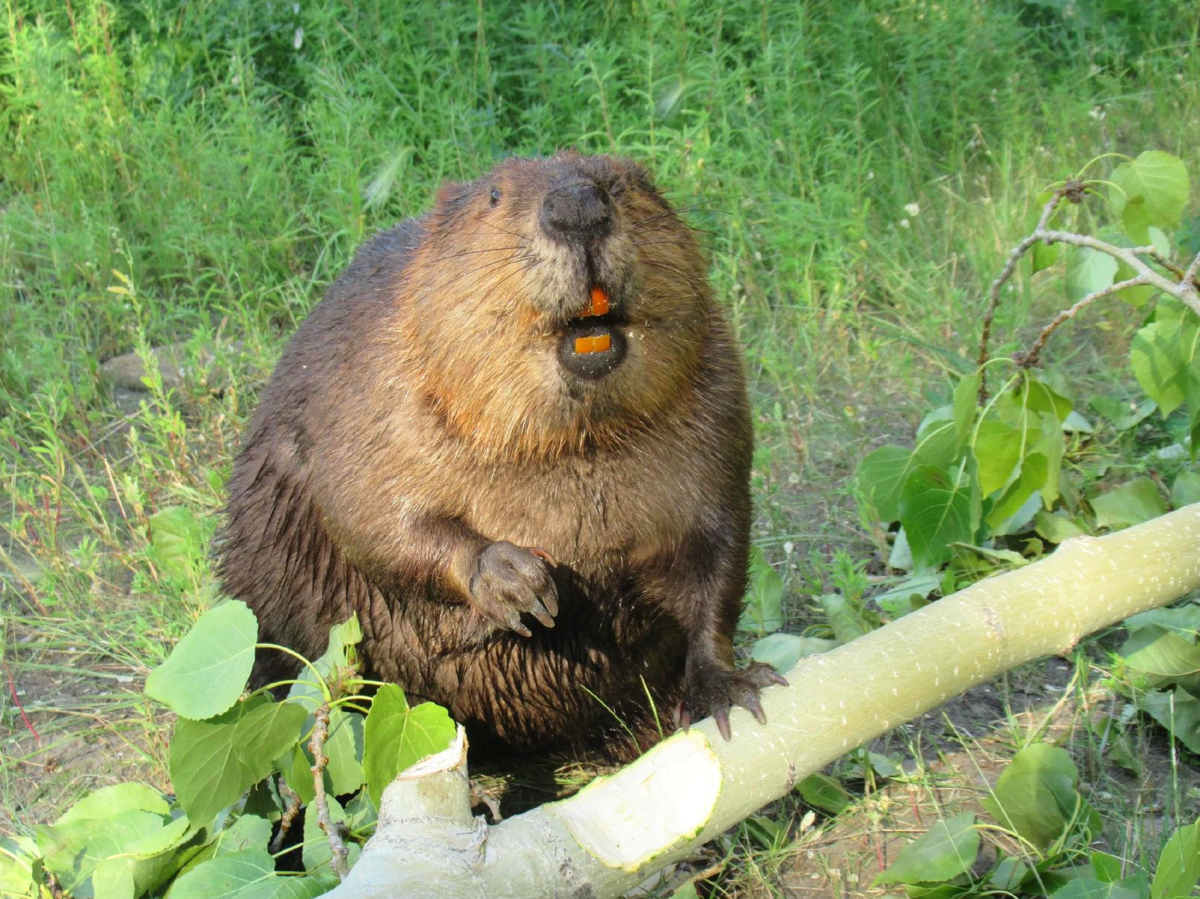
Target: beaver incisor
x: 526, y: 529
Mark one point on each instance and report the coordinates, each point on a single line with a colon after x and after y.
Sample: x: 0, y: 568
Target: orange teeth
x: 601, y: 344
x: 598, y: 304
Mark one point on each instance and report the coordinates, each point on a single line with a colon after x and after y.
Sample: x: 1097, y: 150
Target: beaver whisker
x: 677, y: 213
x: 516, y: 271
x: 492, y: 263
x: 709, y: 248
x: 473, y: 252
x: 482, y: 221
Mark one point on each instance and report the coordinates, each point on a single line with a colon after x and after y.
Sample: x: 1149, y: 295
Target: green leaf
x: 907, y: 596
x: 1057, y: 527
x: 946, y: 851
x: 1034, y: 470
x: 1129, y: 504
x: 344, y: 749
x: 1052, y: 445
x: 316, y: 852
x: 1162, y: 656
x: 1133, y: 887
x: 208, y: 670
x: 246, y: 832
x: 1088, y: 271
x: 847, y: 624
x: 214, y: 762
x: 1008, y: 874
x: 1107, y: 868
x: 1183, y: 620
x: 396, y: 737
x: 109, y: 801
x: 1121, y: 413
x: 113, y: 879
x: 1042, y: 256
x: 881, y: 477
x: 178, y: 542
x: 225, y: 876
x: 1041, y: 397
x: 289, y: 887
x: 360, y: 813
x: 763, y: 611
x: 1150, y: 191
x: 823, y: 792
x: 296, y: 768
x: 1036, y: 795
x: 1178, y: 711
x: 20, y: 868
x: 74, y: 849
x: 937, y: 438
x: 997, y: 451
x: 1157, y: 358
x: 936, y: 511
x: 1178, y: 868
x: 783, y: 651
x: 1138, y: 296
x: 966, y: 399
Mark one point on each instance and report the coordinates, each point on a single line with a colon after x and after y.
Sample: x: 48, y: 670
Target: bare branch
x: 1130, y: 258
x: 1162, y: 260
x: 289, y: 814
x: 317, y: 747
x: 1185, y: 290
x: 1007, y: 272
x: 1188, y: 283
x: 1031, y: 358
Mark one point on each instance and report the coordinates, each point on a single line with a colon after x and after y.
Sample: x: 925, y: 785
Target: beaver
x: 515, y: 439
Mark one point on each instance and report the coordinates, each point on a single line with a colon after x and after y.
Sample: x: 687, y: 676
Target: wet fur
x: 418, y: 414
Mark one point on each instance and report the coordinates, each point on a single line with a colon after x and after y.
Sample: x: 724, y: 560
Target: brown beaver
x: 536, y: 512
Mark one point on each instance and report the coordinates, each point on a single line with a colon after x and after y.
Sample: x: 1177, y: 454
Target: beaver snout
x: 577, y: 211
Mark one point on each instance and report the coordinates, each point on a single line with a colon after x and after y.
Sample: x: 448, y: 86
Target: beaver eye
x: 495, y: 195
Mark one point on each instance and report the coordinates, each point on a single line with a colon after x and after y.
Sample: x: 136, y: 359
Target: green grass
x: 184, y: 173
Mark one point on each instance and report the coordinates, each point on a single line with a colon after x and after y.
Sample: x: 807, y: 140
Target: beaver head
x: 554, y: 304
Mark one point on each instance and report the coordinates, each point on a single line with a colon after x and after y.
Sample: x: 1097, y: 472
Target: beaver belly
x: 551, y: 690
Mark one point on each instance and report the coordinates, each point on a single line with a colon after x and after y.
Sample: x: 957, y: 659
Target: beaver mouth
x: 592, y: 345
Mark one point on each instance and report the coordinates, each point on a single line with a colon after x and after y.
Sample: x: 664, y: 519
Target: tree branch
x: 317, y: 747
x: 1031, y: 358
x: 1010, y: 266
x: 1184, y: 290
x: 289, y: 814
x: 620, y: 830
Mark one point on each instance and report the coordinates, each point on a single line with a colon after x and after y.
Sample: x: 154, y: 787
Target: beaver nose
x: 580, y: 210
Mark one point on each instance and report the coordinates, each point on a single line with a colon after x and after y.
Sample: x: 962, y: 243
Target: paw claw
x: 509, y: 581
x: 713, y: 689
x: 721, y: 716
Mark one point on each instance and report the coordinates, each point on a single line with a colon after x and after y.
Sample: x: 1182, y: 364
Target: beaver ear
x: 452, y: 196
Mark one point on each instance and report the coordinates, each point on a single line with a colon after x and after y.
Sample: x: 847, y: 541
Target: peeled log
x: 620, y: 830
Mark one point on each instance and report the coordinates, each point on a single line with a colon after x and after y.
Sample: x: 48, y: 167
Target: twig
x: 317, y: 747
x: 1188, y: 283
x: 1031, y: 358
x: 1007, y: 272
x: 12, y: 689
x: 289, y: 814
x: 1130, y: 258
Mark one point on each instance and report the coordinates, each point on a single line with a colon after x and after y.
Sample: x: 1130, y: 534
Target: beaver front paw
x: 712, y: 689
x: 509, y: 580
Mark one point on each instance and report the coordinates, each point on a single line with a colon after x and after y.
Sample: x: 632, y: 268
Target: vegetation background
x: 193, y: 174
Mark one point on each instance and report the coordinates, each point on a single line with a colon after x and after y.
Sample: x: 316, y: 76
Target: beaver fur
x: 553, y: 547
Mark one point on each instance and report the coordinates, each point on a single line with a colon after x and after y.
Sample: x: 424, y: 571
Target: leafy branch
x: 1150, y: 192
